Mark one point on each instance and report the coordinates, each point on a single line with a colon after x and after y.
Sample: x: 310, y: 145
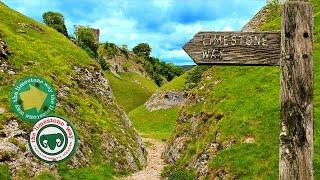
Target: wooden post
x: 296, y: 137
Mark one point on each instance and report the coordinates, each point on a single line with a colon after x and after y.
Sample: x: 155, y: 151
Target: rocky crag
x: 165, y: 100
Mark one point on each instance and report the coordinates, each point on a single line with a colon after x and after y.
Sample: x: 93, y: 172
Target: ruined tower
x: 96, y: 34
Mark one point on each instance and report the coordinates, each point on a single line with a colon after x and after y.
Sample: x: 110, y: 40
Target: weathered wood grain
x: 296, y: 138
x: 238, y: 48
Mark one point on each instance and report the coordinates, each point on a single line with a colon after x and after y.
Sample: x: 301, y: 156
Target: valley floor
x: 155, y: 163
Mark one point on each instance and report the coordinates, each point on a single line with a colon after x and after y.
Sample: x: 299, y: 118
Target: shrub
x: 182, y: 175
x: 86, y: 40
x: 124, y: 51
x: 111, y: 49
x: 56, y: 21
x: 103, y: 64
x: 142, y: 49
x: 125, y: 66
x: 158, y: 79
x: 195, y: 76
x: 89, y: 51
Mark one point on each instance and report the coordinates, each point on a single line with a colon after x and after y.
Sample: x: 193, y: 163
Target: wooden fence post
x: 296, y: 137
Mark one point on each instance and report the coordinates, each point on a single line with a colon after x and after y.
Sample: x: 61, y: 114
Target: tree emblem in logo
x: 53, y: 139
x: 33, y: 98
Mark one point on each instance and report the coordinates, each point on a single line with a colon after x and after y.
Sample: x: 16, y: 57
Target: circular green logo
x: 53, y: 139
x: 33, y: 98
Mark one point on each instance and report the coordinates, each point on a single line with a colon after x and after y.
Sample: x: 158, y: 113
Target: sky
x: 164, y: 24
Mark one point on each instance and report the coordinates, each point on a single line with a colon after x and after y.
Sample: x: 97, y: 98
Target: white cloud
x: 228, y: 28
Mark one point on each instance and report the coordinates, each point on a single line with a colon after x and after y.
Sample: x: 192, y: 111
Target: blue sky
x: 165, y: 24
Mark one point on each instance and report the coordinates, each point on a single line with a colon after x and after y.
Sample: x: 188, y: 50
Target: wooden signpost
x: 292, y: 50
x: 235, y: 48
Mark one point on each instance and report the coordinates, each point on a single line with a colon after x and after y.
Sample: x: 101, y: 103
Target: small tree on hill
x: 86, y: 40
x: 142, y: 49
x: 56, y: 21
x: 111, y: 49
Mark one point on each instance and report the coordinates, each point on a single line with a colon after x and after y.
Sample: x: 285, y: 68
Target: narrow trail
x: 155, y: 163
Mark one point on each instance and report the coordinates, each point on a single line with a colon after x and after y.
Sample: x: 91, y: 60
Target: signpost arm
x: 296, y: 137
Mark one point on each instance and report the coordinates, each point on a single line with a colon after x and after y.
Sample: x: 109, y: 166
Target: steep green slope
x: 107, y: 142
x: 230, y: 126
x: 131, y: 89
x: 177, y: 84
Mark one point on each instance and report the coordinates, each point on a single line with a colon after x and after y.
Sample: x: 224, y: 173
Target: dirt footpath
x: 155, y: 163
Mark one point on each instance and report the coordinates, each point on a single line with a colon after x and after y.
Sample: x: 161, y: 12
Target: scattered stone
x: 4, y: 55
x: 23, y: 27
x: 2, y: 110
x: 94, y: 82
x: 63, y: 92
x: 11, y: 72
x: 137, y: 82
x: 4, y: 50
x: 12, y: 129
x: 165, y: 100
x: 29, y: 63
x: 173, y: 150
x: 249, y: 140
x: 7, y: 148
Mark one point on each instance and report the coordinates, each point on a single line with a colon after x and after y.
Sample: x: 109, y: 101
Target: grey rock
x: 93, y: 81
x: 165, y: 100
x: 7, y: 147
x: 12, y: 129
x: 173, y: 150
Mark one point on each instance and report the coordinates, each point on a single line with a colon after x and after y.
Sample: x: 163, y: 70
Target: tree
x: 56, y: 21
x: 85, y: 39
x: 111, y: 49
x: 142, y: 49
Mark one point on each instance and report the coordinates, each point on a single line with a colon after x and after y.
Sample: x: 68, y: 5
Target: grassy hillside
x: 42, y: 51
x: 177, y: 84
x: 159, y: 124
x: 131, y: 89
x: 156, y: 124
x: 237, y: 119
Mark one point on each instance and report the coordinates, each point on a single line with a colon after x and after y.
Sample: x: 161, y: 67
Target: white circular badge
x: 53, y: 139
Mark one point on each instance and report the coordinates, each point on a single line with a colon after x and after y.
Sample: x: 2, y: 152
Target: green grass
x: 4, y: 172
x: 248, y: 99
x: 54, y: 57
x: 131, y: 90
x: 177, y: 84
x: 101, y: 172
x: 156, y: 124
x: 46, y: 175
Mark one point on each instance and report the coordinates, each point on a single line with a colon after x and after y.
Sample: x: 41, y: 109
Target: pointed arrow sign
x: 235, y: 48
x: 33, y: 98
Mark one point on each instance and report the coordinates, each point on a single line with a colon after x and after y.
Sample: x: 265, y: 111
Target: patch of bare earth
x: 155, y: 162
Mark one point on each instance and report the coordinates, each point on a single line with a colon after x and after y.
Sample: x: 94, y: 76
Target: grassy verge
x: 4, y: 172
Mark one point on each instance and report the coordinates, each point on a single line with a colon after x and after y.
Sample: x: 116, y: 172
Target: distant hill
x: 121, y: 60
x: 187, y: 67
